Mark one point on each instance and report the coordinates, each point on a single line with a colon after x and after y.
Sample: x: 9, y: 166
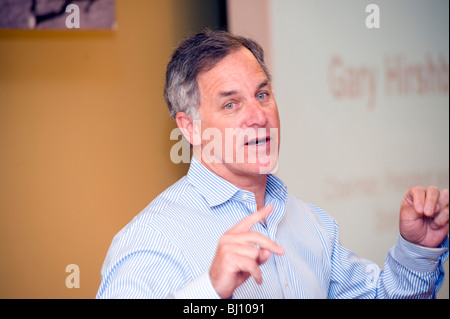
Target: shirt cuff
x: 419, y: 258
x: 199, y: 288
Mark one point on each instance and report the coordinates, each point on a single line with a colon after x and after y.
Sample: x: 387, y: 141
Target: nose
x: 255, y: 115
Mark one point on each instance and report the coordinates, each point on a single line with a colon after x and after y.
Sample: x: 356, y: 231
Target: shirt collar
x: 276, y: 188
x: 217, y: 191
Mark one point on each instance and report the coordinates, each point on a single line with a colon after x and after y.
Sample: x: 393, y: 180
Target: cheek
x: 274, y: 122
x: 274, y: 118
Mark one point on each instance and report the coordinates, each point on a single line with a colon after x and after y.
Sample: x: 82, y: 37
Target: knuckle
x: 257, y: 236
x: 445, y: 211
x: 225, y: 239
x: 227, y: 258
x: 254, y: 253
x: 251, y: 264
x: 417, y: 189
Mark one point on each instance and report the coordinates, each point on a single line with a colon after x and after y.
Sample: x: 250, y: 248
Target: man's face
x: 239, y: 118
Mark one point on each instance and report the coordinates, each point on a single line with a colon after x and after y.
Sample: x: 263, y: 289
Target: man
x: 229, y: 229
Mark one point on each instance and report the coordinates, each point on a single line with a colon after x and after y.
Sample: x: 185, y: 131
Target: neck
x: 254, y: 183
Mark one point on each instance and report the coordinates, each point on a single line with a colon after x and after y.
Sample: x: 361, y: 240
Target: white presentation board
x: 363, y: 96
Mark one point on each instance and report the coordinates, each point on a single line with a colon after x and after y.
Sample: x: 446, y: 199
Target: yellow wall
x: 84, y: 140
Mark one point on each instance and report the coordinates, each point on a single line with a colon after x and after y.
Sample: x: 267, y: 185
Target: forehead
x: 232, y: 71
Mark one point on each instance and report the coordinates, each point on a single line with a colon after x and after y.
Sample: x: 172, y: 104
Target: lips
x: 258, y: 141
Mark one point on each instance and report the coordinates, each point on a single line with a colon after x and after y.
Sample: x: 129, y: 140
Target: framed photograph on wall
x: 58, y: 14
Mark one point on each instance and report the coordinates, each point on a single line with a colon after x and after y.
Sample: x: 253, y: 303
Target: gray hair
x: 196, y: 54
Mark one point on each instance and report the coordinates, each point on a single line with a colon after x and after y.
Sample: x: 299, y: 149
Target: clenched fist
x: 424, y: 216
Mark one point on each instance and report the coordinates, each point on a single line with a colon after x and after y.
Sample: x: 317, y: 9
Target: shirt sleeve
x: 419, y: 258
x: 410, y: 271
x: 149, y: 268
x: 415, y: 267
x: 199, y: 288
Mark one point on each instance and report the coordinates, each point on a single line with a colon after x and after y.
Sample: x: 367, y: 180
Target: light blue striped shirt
x: 166, y: 250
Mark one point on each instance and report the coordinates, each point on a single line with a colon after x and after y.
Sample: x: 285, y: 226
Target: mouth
x: 259, y: 141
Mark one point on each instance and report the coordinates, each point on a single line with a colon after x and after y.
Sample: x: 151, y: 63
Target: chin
x: 269, y: 168
x: 268, y: 165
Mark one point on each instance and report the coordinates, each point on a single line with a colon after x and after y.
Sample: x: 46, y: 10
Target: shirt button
x: 432, y: 261
x: 285, y: 283
x: 244, y: 196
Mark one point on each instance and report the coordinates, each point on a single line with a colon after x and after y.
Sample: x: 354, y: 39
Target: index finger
x: 248, y: 222
x: 443, y: 199
x: 432, y: 195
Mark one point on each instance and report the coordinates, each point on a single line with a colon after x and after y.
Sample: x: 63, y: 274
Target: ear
x: 191, y: 129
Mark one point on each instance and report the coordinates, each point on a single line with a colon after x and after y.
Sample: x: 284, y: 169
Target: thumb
x: 264, y: 255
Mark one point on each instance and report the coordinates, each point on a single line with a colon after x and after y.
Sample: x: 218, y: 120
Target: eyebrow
x: 227, y: 93
x: 234, y: 92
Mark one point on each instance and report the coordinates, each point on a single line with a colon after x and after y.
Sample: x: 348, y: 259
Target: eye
x: 261, y: 96
x: 229, y: 106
